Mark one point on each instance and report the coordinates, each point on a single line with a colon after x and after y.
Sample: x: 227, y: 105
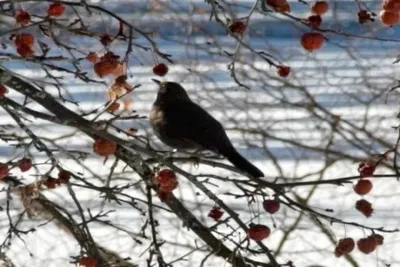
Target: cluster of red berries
x: 389, y: 14
x: 365, y: 245
x: 63, y: 177
x: 312, y: 41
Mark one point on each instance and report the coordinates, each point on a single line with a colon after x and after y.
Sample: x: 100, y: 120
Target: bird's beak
x: 156, y: 81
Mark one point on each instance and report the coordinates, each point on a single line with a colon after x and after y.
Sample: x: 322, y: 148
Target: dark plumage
x: 181, y: 123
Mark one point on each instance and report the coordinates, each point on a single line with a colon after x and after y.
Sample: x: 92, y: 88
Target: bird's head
x: 170, y: 92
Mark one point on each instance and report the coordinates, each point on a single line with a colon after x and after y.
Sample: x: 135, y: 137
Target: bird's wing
x: 188, y: 121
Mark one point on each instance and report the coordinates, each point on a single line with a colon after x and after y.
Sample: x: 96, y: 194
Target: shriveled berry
x: 366, y: 168
x: 344, y: 246
x: 364, y: 207
x: 104, y: 147
x: 64, y: 176
x: 166, y: 179
x: 237, y: 26
x: 314, y: 21
x: 378, y: 239
x: 92, y: 57
x: 106, y: 40
x: 22, y: 17
x: 25, y: 164
x: 215, y: 213
x: 113, y: 107
x: 3, y: 171
x: 50, y: 182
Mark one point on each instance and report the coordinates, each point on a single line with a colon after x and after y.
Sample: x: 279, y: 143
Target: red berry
x: 320, y: 7
x: 215, y: 213
x: 3, y: 171
x: 3, y: 91
x: 64, y: 176
x: 314, y: 21
x: 56, y: 9
x: 312, y: 41
x: 283, y: 71
x: 366, y: 245
x: 237, y: 26
x: 25, y: 164
x: 22, y: 17
x: 166, y: 179
x: 87, y: 261
x: 378, y: 239
x: 92, y: 57
x: 25, y: 50
x: 363, y: 187
x: 364, y: 207
x: 281, y: 6
x: 24, y: 39
x: 160, y: 69
x: 106, y: 40
x: 344, y: 246
x: 50, y: 182
x: 104, y: 147
x: 271, y: 205
x: 366, y: 168
x: 258, y: 232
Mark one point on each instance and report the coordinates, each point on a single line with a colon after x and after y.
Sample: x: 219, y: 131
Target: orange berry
x: 25, y: 50
x: 92, y: 57
x: 320, y: 7
x: 106, y: 67
x: 389, y: 18
x: 312, y: 41
x: 104, y: 147
x: 56, y: 9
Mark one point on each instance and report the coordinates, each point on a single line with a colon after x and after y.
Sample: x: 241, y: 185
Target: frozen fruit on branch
x: 237, y: 26
x: 271, y: 205
x: 363, y: 187
x: 366, y: 245
x: 281, y: 6
x: 314, y: 21
x: 366, y: 168
x: 391, y: 5
x: 56, y: 9
x: 258, y: 232
x: 364, y: 207
x: 104, y: 147
x: 64, y: 176
x: 320, y: 7
x: 25, y: 50
x: 312, y: 41
x: 378, y: 239
x: 87, y: 262
x: 25, y: 164
x: 50, y: 182
x: 389, y: 18
x: 166, y: 180
x: 92, y: 57
x: 283, y: 71
x: 24, y: 39
x: 22, y: 17
x: 3, y: 91
x: 344, y: 246
x: 113, y: 107
x: 106, y: 40
x: 108, y: 65
x: 160, y: 69
x: 215, y: 213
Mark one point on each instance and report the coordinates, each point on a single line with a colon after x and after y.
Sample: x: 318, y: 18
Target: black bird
x: 181, y: 123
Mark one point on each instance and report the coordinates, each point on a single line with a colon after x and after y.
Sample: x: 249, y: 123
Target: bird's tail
x: 242, y: 164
